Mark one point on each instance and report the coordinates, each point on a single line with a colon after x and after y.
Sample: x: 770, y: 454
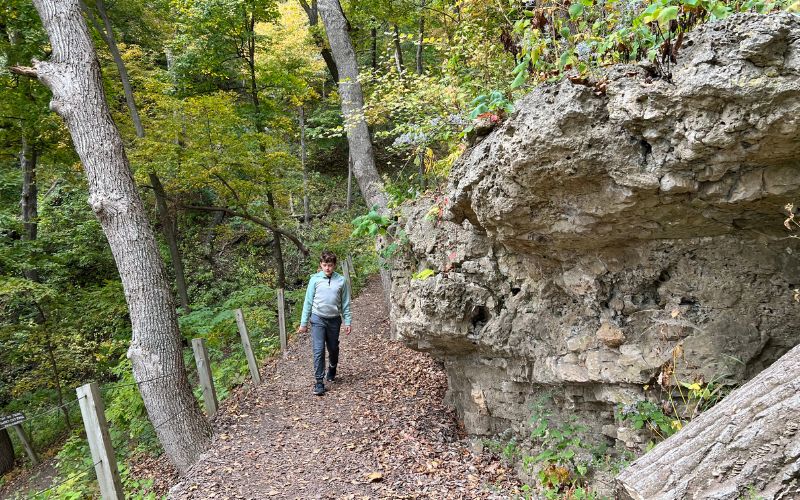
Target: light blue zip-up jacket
x: 326, y: 297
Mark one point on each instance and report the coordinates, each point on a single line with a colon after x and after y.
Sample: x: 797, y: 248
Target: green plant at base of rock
x: 560, y: 468
x: 646, y: 414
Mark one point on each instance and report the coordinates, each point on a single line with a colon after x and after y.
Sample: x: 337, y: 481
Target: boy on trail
x: 327, y: 302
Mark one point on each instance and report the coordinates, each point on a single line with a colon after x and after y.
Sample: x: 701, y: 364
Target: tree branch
x: 24, y: 70
x: 252, y: 218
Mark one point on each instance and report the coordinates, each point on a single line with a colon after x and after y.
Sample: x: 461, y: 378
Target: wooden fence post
x: 282, y: 322
x: 248, y: 349
x: 94, y: 420
x: 204, y: 372
x: 23, y: 438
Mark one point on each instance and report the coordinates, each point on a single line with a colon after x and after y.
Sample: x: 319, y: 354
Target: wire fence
x: 201, y: 375
x: 76, y: 475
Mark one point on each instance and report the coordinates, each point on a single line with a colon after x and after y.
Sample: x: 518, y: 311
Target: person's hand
x: 302, y: 329
x: 347, y: 329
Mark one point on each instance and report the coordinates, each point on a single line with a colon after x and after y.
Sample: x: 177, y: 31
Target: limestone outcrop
x: 594, y: 243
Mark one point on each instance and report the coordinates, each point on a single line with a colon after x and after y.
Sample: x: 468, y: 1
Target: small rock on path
x: 381, y: 430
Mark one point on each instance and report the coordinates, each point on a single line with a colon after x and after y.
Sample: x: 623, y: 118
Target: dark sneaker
x: 331, y: 374
x: 319, y: 389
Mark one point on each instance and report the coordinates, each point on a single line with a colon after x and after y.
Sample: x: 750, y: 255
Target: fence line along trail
x: 381, y: 430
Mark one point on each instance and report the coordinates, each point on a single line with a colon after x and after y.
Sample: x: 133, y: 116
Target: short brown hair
x: 327, y: 257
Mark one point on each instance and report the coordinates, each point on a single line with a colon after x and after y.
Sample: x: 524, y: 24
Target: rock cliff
x: 594, y: 243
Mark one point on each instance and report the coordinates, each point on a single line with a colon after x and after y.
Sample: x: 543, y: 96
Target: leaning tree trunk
x: 6, y: 452
x: 352, y: 98
x: 73, y: 75
x: 749, y: 441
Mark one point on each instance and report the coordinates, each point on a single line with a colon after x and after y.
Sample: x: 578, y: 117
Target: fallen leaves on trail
x: 381, y: 431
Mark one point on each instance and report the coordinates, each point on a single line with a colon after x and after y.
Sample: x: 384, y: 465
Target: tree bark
x: 6, y: 452
x: 170, y: 234
x: 421, y: 39
x: 352, y: 99
x: 750, y: 440
x: 73, y: 75
x: 398, y: 50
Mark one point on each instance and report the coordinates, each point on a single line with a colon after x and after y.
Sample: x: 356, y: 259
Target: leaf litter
x: 381, y: 431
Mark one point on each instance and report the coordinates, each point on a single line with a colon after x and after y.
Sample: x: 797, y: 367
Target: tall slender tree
x: 352, y: 101
x: 73, y: 75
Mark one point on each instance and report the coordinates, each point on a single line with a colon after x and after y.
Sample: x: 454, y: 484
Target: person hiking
x: 327, y: 302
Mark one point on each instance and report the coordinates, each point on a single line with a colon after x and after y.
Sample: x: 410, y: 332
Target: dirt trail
x: 381, y: 430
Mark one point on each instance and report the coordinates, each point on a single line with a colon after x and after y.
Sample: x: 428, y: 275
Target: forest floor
x: 381, y: 431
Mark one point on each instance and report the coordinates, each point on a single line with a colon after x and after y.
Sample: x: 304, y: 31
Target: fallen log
x: 748, y: 444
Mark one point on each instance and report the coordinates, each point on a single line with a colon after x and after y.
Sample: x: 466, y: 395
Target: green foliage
x: 370, y: 224
x: 495, y: 102
x: 645, y: 414
x: 558, y: 459
x: 581, y: 37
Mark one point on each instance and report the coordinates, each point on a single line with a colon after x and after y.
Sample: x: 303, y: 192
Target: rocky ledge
x: 592, y: 244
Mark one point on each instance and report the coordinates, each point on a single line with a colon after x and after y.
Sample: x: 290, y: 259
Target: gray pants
x: 324, y: 332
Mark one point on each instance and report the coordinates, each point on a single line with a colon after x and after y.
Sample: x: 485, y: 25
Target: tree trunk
x: 373, y: 34
x: 51, y: 356
x: 398, y: 50
x: 6, y: 452
x: 306, y: 203
x: 73, y: 75
x: 123, y: 73
x: 349, y: 181
x: 251, y: 64
x: 421, y: 39
x: 750, y: 440
x: 29, y: 200
x: 277, y: 251
x: 313, y: 20
x: 170, y: 234
x: 352, y: 99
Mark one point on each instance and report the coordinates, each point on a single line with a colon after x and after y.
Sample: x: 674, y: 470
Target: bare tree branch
x: 252, y: 218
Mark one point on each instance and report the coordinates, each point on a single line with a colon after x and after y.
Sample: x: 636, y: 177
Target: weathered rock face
x: 590, y: 241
